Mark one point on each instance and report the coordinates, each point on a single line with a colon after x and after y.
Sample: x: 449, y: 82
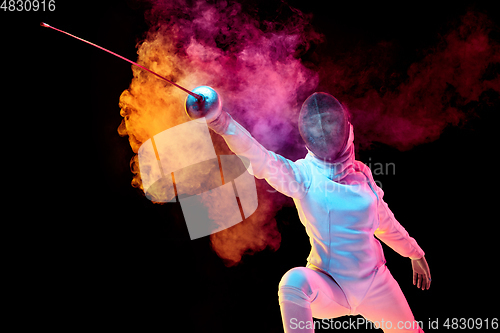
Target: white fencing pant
x: 305, y: 293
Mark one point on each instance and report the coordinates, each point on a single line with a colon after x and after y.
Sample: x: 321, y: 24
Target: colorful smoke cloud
x: 255, y: 65
x: 403, y: 110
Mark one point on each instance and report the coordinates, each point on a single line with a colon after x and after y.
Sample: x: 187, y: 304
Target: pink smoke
x: 416, y: 110
x: 251, y: 64
x: 255, y: 66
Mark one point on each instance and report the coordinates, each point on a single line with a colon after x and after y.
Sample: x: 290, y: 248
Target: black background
x: 91, y: 252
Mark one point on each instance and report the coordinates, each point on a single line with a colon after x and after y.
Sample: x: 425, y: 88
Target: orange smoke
x: 150, y: 105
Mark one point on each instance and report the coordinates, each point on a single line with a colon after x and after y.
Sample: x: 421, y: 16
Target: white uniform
x: 342, y: 210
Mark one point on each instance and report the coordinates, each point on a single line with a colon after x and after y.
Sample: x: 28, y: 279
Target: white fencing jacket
x: 340, y: 206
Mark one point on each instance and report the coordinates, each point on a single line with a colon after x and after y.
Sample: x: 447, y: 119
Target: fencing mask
x: 324, y: 126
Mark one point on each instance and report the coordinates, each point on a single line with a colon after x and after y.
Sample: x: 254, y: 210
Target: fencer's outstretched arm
x: 290, y: 178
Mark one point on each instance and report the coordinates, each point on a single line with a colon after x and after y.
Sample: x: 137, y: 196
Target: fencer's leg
x: 304, y: 293
x: 296, y: 318
x: 386, y: 307
x: 295, y: 301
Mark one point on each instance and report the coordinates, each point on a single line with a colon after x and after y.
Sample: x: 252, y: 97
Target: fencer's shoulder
x: 301, y: 161
x: 361, y: 167
x: 303, y: 164
x: 365, y: 169
x: 305, y: 168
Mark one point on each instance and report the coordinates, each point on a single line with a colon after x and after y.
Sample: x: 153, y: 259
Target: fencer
x: 342, y: 210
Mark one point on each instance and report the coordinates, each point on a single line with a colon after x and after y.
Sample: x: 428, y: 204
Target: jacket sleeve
x: 390, y: 231
x: 290, y: 178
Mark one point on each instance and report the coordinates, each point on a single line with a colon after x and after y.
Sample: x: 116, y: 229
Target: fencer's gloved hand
x: 421, y: 273
x: 210, y: 107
